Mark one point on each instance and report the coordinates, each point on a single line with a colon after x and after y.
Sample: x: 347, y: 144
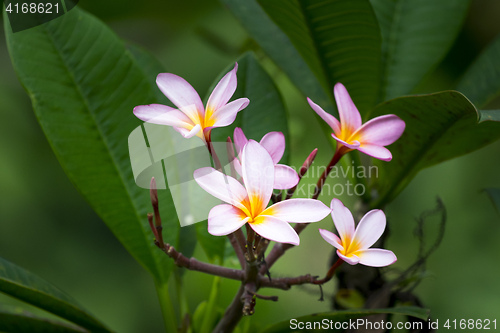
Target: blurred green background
x: 49, y: 229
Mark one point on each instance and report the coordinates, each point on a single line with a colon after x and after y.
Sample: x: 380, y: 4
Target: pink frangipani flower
x: 369, y: 138
x: 274, y: 142
x: 353, y: 246
x: 191, y: 117
x: 248, y: 204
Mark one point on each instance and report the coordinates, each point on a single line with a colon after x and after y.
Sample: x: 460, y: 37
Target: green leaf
x: 15, y: 319
x: 25, y: 286
x: 494, y: 194
x: 416, y: 35
x: 151, y: 67
x: 439, y: 127
x: 489, y: 115
x: 214, y: 246
x: 481, y: 81
x: 266, y: 111
x: 83, y: 85
x: 341, y: 316
x: 339, y: 40
x: 280, y: 49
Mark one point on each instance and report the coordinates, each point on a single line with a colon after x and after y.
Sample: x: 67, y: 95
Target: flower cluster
x: 247, y: 196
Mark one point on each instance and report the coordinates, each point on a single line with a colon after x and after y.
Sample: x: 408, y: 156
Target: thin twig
x: 237, y: 249
x: 286, y: 283
x: 211, y: 150
x: 330, y: 273
x: 196, y: 265
x: 232, y: 315
x: 266, y: 298
x: 153, y: 192
x: 241, y: 239
x: 302, y: 171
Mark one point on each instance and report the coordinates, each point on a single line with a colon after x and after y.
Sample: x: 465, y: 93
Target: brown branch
x: 196, y: 265
x: 237, y: 249
x: 241, y: 239
x: 153, y: 192
x: 250, y: 255
x: 264, y: 297
x: 261, y: 248
x: 232, y: 315
x: 286, y: 283
x: 248, y: 298
x: 330, y: 273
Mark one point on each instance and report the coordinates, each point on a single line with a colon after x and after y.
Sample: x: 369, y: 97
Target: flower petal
x: 181, y: 93
x: 284, y: 177
x: 225, y: 219
x: 223, y: 91
x: 298, y: 210
x: 162, y: 115
x: 343, y: 220
x: 237, y: 166
x: 350, y: 119
x: 369, y: 229
x: 328, y: 118
x: 332, y: 239
x: 227, y: 114
x: 257, y: 170
x: 221, y: 186
x: 240, y: 140
x: 381, y: 131
x: 353, y: 145
x: 274, y: 142
x: 351, y: 260
x: 376, y: 257
x: 189, y: 133
x: 378, y: 152
x: 275, y: 229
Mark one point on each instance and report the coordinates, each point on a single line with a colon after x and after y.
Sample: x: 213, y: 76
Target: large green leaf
x: 83, y: 84
x: 494, y: 194
x: 214, y: 246
x: 16, y: 319
x: 23, y: 285
x: 489, y: 115
x: 481, y: 81
x: 151, y: 67
x: 280, y: 49
x: 341, y: 316
x: 339, y: 40
x: 416, y: 35
x: 439, y: 127
x: 266, y: 111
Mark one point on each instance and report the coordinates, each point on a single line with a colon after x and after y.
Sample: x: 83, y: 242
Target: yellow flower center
x: 350, y: 247
x: 348, y: 135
